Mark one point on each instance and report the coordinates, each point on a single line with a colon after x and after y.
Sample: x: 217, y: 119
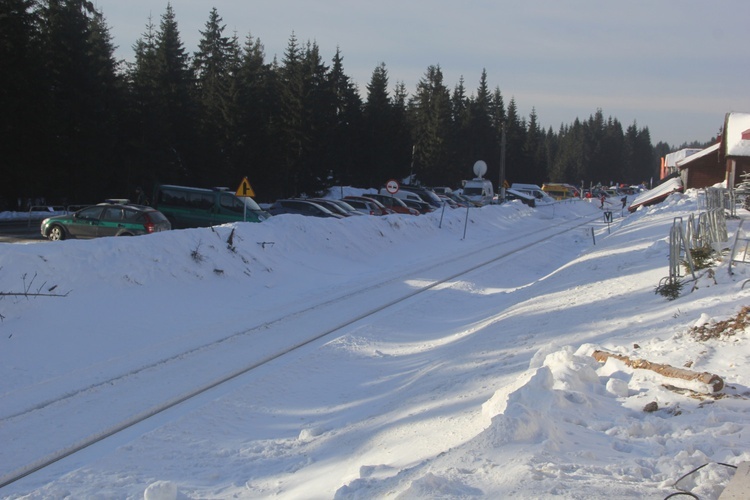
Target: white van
x: 479, y: 191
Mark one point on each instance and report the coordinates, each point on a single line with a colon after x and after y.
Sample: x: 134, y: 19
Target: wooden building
x: 702, y: 169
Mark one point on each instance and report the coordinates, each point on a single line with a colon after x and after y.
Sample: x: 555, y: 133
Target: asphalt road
x: 20, y: 231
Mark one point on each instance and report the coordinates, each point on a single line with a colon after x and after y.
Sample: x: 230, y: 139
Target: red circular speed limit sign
x: 392, y: 186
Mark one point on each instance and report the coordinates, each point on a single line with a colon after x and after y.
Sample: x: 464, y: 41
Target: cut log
x: 713, y: 381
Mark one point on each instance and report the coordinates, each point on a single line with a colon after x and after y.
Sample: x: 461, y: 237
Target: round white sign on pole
x: 392, y: 186
x: 480, y: 168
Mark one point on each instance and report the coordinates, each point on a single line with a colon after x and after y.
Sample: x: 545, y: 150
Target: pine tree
x: 430, y: 112
x: 289, y: 119
x: 144, y: 113
x: 482, y: 136
x: 257, y: 100
x: 83, y: 92
x: 174, y: 92
x: 517, y: 164
x: 461, y: 143
x: 215, y: 66
x: 380, y: 135
x: 535, y: 151
x: 345, y: 147
x: 23, y: 99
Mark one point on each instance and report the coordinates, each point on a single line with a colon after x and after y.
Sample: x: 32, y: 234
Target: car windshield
x: 433, y: 197
x: 345, y: 205
x: 473, y: 191
x: 250, y: 204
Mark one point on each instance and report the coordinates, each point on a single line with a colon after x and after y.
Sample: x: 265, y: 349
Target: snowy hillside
x: 483, y: 386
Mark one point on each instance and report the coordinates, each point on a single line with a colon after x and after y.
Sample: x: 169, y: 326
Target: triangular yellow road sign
x: 245, y: 189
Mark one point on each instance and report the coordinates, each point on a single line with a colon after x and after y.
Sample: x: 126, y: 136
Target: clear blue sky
x: 675, y: 66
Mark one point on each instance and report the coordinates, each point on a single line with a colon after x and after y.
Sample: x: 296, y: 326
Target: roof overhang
x: 705, y: 153
x: 736, y: 138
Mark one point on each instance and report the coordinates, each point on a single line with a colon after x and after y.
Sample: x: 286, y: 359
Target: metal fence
x: 39, y: 212
x: 706, y: 231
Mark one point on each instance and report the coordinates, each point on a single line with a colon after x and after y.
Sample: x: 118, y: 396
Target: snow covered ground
x: 482, y: 387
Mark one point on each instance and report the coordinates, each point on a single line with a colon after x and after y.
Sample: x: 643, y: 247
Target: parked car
x: 425, y: 194
x: 367, y: 207
x: 379, y: 209
x: 301, y: 207
x: 337, y: 207
x: 198, y: 207
x: 460, y: 199
x: 448, y: 201
x: 403, y: 195
x: 346, y: 207
x: 422, y: 206
x: 395, y: 204
x: 560, y: 191
x: 119, y: 218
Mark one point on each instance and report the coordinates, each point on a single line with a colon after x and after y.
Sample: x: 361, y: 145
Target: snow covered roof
x: 683, y: 163
x: 737, y: 134
x: 657, y: 194
x: 672, y: 158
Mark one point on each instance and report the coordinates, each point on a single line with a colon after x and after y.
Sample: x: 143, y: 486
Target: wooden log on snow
x: 713, y: 381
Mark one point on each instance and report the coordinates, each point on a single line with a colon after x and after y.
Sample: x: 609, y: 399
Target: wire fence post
x: 466, y: 222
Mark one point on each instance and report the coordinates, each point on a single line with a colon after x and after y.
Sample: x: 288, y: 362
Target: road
x: 20, y: 231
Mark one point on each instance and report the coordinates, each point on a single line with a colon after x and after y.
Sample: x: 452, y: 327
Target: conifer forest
x: 78, y: 126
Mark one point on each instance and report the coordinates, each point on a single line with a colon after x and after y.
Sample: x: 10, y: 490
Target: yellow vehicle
x: 560, y: 191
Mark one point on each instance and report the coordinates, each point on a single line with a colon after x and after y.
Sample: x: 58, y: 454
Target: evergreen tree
x: 23, y: 100
x: 292, y: 128
x: 144, y: 117
x: 174, y: 92
x: 403, y: 145
x: 257, y: 98
x: 535, y: 150
x: 430, y: 112
x: 517, y: 167
x: 289, y: 119
x: 461, y: 144
x: 319, y: 119
x: 639, y: 154
x: 215, y: 66
x: 380, y: 164
x: 482, y: 135
x: 79, y: 68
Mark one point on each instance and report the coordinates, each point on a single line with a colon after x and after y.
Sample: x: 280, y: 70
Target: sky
x: 416, y: 375
x: 674, y: 66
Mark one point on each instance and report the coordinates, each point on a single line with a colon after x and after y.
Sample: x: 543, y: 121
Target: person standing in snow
x: 602, y: 198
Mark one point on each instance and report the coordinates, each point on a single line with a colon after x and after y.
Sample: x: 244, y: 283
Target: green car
x: 105, y: 219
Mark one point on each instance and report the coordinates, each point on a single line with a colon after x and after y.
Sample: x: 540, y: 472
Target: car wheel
x: 56, y: 233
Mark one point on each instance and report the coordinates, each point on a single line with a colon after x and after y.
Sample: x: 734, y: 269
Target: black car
x: 337, y: 206
x: 301, y: 207
x: 105, y: 219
